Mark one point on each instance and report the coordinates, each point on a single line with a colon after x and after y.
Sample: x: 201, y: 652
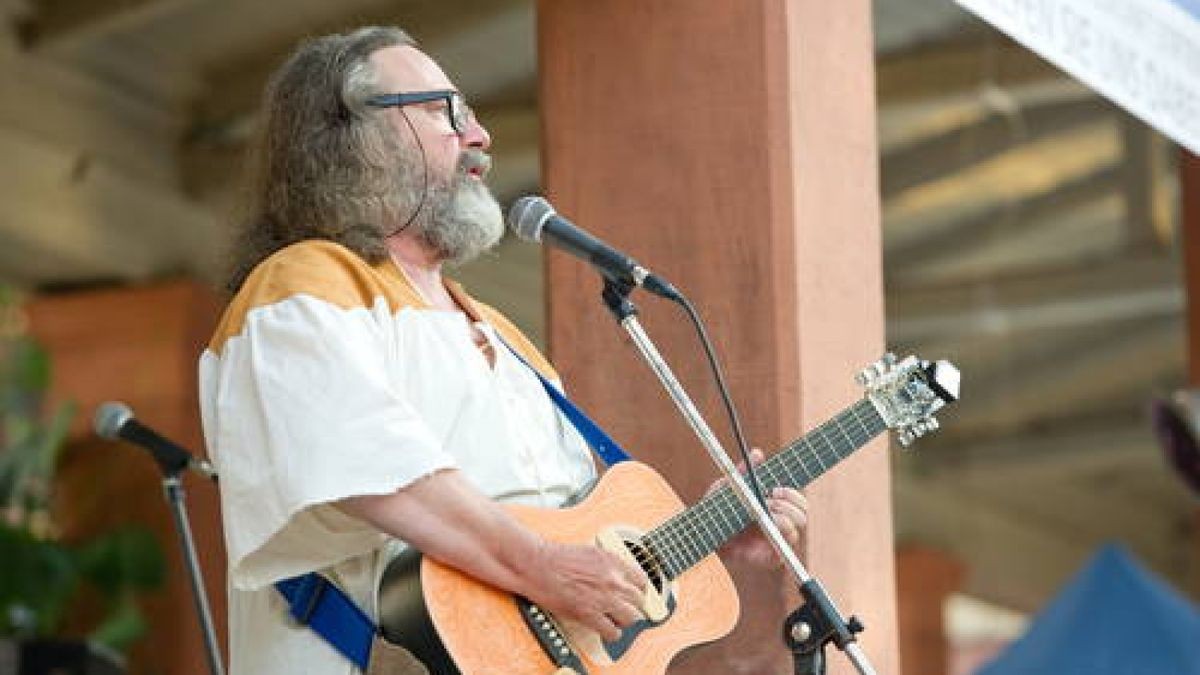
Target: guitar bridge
x: 550, y: 636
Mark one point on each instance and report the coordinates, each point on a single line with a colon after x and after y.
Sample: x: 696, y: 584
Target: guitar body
x: 483, y: 629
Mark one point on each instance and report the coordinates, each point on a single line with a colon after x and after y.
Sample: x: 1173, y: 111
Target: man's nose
x: 476, y: 136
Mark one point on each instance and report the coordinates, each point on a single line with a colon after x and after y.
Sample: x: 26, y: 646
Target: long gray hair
x: 323, y: 167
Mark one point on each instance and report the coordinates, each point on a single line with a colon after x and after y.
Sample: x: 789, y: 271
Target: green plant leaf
x: 29, y: 366
x: 124, y: 624
x: 123, y: 560
x: 40, y: 575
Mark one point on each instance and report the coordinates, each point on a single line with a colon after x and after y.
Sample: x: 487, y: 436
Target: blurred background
x: 1031, y: 234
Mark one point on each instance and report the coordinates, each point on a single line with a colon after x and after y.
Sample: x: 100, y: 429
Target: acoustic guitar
x: 456, y: 624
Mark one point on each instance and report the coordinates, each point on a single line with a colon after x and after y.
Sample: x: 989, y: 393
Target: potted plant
x: 42, y: 576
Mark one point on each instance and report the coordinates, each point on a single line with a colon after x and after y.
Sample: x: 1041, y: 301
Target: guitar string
x: 704, y: 511
x: 725, y: 502
x: 682, y: 541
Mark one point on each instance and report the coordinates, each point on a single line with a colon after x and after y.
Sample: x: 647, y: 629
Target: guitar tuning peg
x: 867, y: 376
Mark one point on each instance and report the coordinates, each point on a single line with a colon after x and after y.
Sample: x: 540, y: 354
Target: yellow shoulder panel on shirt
x: 320, y: 269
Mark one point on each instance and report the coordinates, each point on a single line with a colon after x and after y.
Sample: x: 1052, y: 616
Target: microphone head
x: 109, y: 419
x: 528, y: 215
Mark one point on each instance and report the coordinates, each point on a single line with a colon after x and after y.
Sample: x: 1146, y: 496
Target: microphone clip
x: 616, y: 298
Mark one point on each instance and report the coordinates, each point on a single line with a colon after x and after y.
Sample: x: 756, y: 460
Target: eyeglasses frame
x: 454, y: 99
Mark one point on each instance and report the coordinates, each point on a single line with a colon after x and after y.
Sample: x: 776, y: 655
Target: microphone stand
x: 818, y: 621
x: 173, y: 490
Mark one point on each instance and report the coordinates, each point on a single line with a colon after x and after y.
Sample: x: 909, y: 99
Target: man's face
x: 458, y: 217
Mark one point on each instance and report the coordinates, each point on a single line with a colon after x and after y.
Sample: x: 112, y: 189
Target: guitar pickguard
x: 616, y: 650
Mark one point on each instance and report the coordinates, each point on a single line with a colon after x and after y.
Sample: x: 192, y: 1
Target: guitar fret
x: 817, y: 455
x: 812, y: 449
x: 689, y: 536
x: 837, y: 421
x: 829, y: 450
x: 783, y: 465
x: 862, y: 425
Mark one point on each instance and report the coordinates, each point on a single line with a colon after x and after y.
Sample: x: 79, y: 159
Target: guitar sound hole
x: 649, y: 563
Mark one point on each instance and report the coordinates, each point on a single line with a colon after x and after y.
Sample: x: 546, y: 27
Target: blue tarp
x: 1190, y: 6
x: 1113, y: 618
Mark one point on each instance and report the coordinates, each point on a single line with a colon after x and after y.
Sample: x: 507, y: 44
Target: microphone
x: 115, y: 421
x: 533, y: 219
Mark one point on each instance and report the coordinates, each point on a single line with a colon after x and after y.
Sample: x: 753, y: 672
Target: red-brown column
x: 925, y: 577
x: 140, y: 346
x: 731, y: 147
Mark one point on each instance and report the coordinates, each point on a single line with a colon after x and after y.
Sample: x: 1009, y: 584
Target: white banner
x: 1144, y: 55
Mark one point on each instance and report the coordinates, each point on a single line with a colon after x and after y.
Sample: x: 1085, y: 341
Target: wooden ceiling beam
x: 1121, y: 291
x: 62, y: 24
x: 102, y: 222
x: 476, y: 52
x: 934, y: 69
x: 1051, y: 453
x: 1120, y: 366
x: 990, y: 132
x: 45, y: 100
x: 986, y: 219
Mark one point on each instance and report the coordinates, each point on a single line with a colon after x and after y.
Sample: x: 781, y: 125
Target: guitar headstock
x: 908, y: 392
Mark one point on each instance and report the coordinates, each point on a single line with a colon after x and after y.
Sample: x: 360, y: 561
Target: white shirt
x: 330, y: 378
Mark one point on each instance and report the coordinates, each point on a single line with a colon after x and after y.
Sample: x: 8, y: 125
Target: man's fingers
x: 604, y: 625
x: 756, y: 458
x: 636, y: 578
x: 789, y: 511
x: 788, y: 519
x: 625, y: 614
x: 791, y: 496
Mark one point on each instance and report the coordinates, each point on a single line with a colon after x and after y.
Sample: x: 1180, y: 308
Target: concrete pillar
x: 140, y: 346
x: 925, y: 578
x: 731, y: 147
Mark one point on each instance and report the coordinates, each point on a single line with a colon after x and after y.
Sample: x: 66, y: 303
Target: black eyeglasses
x: 456, y: 106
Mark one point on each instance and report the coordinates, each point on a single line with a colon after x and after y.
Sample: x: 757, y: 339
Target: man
x: 355, y: 401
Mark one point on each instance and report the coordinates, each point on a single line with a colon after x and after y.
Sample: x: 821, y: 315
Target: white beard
x: 464, y: 219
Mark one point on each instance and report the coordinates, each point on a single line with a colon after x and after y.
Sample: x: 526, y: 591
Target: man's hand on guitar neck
x: 446, y: 518
x: 788, y: 509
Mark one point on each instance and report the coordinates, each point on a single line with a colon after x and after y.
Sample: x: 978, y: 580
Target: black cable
x: 424, y: 174
x: 734, y: 421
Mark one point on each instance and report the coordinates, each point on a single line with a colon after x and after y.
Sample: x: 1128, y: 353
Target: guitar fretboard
x: 694, y: 533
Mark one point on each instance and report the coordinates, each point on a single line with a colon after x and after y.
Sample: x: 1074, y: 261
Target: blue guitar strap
x: 602, y: 443
x: 318, y: 603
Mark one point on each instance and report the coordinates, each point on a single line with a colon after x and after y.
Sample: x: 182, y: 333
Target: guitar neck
x: 694, y: 533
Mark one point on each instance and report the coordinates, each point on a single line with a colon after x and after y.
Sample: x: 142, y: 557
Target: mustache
x: 474, y: 160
